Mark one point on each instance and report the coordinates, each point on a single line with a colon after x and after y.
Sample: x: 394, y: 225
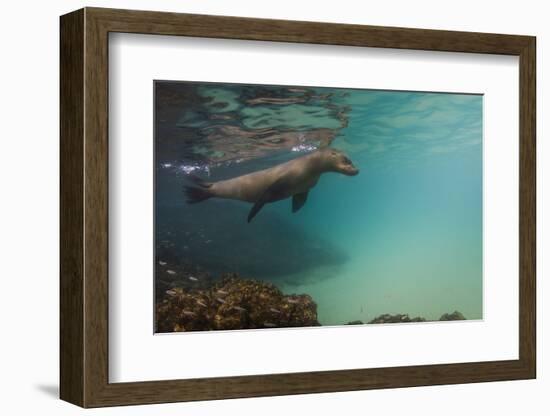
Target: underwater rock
x: 455, y: 316
x: 233, y: 303
x: 393, y: 319
x: 355, y: 323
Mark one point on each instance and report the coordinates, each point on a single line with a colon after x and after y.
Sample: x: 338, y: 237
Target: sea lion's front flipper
x: 272, y: 193
x: 255, y: 209
x: 298, y: 201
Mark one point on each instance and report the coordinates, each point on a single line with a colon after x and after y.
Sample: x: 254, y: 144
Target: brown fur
x: 282, y: 181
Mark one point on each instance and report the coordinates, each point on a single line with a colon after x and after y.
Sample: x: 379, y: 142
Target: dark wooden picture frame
x: 84, y: 207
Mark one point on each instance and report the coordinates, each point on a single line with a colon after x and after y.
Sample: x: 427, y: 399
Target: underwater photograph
x: 282, y: 206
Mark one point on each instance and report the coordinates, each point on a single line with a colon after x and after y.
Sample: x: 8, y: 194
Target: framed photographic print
x: 261, y: 207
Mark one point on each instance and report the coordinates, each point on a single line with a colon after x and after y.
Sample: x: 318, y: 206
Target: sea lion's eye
x: 347, y: 161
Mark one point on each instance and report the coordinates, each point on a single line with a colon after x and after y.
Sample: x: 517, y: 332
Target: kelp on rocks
x: 455, y: 316
x: 233, y: 303
x: 392, y: 319
x: 404, y: 318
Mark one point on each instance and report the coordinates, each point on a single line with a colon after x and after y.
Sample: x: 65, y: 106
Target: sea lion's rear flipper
x: 272, y: 193
x: 298, y: 201
x: 195, y: 194
x: 199, y: 192
x: 197, y: 180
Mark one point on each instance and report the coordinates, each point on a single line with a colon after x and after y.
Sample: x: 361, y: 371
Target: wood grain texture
x: 162, y: 23
x: 528, y: 207
x: 96, y: 219
x: 71, y: 100
x: 84, y: 207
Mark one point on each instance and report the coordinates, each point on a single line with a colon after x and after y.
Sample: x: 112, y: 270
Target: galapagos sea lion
x: 291, y: 179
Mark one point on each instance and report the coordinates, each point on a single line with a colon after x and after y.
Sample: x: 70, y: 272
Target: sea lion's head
x: 336, y: 161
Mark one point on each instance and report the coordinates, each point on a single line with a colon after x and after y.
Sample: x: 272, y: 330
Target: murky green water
x: 403, y: 236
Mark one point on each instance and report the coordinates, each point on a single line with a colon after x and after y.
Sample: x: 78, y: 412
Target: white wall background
x: 29, y: 207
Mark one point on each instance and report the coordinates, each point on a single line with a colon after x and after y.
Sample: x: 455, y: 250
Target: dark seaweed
x: 233, y: 303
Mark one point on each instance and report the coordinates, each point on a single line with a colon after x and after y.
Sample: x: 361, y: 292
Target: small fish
x: 220, y: 300
x: 193, y: 278
x: 171, y: 292
x: 293, y: 301
x: 239, y: 308
x: 207, y: 241
x: 188, y: 313
x: 201, y: 304
x: 163, y: 263
x: 274, y: 310
x: 222, y: 292
x: 170, y: 272
x: 269, y: 325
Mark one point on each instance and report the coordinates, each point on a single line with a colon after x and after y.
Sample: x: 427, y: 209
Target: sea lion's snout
x: 347, y: 167
x: 350, y: 170
x: 353, y: 171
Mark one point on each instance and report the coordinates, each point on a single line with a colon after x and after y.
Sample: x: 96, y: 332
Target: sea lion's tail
x: 197, y: 193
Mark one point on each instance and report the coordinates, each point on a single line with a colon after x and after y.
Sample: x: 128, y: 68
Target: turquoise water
x: 403, y: 236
